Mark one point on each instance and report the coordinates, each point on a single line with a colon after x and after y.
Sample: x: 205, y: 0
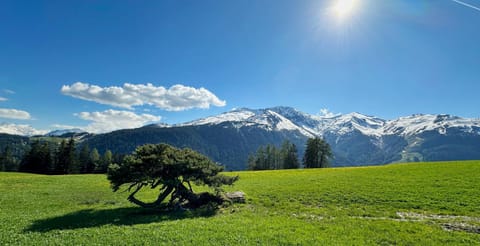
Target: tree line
x: 317, y: 155
x: 271, y: 157
x: 46, y: 157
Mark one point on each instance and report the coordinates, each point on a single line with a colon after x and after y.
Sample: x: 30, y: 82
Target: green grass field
x: 403, y: 204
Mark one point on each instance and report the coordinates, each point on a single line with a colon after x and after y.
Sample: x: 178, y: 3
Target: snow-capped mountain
x: 416, y: 124
x: 361, y: 139
x: 286, y: 118
x: 21, y: 130
x: 29, y: 131
x: 269, y: 119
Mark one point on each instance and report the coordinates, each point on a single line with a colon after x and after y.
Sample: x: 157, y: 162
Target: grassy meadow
x: 404, y: 204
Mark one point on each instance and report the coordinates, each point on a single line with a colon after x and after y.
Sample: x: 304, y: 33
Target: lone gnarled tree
x: 173, y: 170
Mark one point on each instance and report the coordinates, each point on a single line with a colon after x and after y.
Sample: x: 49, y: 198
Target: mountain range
x: 356, y: 139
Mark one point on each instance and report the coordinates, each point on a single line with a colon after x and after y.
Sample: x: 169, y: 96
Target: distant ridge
x: 356, y: 139
x: 58, y: 133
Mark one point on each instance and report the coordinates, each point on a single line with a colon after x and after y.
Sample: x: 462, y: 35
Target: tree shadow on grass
x: 120, y: 216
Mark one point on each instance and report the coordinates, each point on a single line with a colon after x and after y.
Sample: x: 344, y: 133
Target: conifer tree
x: 7, y: 161
x: 38, y: 159
x: 105, y: 161
x: 271, y: 157
x: 251, y: 164
x: 289, y: 155
x: 5, y: 158
x: 60, y: 166
x: 317, y: 153
x: 2, y: 163
x: 71, y: 157
x: 66, y: 160
x: 85, y: 162
x: 95, y: 159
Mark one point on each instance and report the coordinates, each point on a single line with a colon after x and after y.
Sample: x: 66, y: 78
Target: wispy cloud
x: 3, y: 99
x: 467, y: 5
x: 175, y: 98
x: 16, y: 114
x: 111, y: 120
x: 8, y: 91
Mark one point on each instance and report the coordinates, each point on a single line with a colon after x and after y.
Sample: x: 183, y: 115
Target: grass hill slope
x: 406, y: 204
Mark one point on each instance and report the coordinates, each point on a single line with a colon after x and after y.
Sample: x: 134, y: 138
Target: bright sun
x: 343, y: 9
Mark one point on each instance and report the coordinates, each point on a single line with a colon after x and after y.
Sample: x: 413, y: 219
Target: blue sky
x: 382, y: 58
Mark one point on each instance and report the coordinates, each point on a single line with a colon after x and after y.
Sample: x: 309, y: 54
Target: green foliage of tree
x: 66, y: 158
x: 104, y: 162
x: 95, y: 159
x: 88, y: 160
x: 251, y: 162
x: 317, y: 153
x: 2, y: 163
x: 12, y: 150
x: 261, y: 159
x: 72, y: 158
x: 38, y: 159
x: 85, y: 163
x: 59, y: 166
x: 173, y: 170
x: 271, y: 157
x: 7, y: 161
x: 289, y: 155
x: 52, y: 155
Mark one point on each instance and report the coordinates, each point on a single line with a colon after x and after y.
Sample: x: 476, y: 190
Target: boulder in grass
x: 236, y: 197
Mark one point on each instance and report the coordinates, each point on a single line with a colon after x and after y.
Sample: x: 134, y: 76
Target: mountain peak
x: 284, y: 109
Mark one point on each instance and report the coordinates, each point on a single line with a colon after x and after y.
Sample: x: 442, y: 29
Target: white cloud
x: 24, y: 130
x: 8, y: 91
x: 14, y: 114
x: 175, y: 98
x: 324, y: 112
x: 111, y: 120
x: 2, y: 99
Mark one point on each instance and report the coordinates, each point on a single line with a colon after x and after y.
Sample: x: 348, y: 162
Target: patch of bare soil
x: 447, y: 222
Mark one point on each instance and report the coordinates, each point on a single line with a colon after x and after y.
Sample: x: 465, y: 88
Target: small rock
x: 236, y: 196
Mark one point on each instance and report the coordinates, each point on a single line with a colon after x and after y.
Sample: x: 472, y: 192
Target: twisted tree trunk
x: 181, y: 196
x: 156, y: 203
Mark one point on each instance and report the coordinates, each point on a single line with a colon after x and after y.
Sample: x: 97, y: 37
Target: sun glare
x: 343, y: 9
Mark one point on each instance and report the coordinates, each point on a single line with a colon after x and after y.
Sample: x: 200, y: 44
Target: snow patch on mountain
x: 419, y: 123
x: 290, y: 119
x: 285, y: 124
x: 232, y: 116
x: 268, y: 119
x: 344, y: 124
x: 22, y: 130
